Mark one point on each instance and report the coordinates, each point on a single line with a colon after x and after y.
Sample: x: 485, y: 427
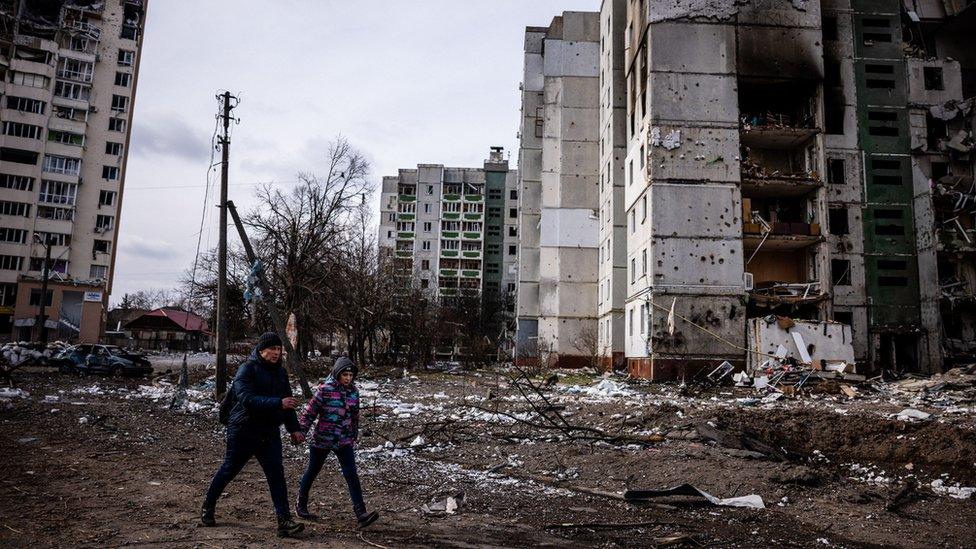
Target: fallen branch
x: 608, y: 525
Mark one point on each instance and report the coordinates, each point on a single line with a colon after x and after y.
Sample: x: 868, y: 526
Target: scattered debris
x: 752, y: 501
x: 448, y: 505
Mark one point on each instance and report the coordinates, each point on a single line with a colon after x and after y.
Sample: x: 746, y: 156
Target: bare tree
x: 301, y: 234
x: 587, y: 344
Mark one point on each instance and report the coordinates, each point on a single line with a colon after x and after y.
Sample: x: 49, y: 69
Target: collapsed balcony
x: 955, y: 214
x: 777, y: 172
x: 777, y: 115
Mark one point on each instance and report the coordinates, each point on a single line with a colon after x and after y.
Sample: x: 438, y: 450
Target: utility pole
x: 291, y: 358
x: 224, y: 141
x: 45, y: 274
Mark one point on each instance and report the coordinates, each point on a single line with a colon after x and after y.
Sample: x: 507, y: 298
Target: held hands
x: 297, y: 438
x: 289, y: 403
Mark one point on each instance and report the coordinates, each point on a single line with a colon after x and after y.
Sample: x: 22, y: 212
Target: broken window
x: 835, y: 171
x: 26, y: 131
x: 106, y: 198
x: 933, y: 78
x: 16, y: 182
x: 837, y: 220
x: 880, y: 76
x: 513, y: 194
x: 114, y: 149
x: 110, y: 173
x: 72, y: 90
x: 513, y: 213
x: 829, y: 24
x: 16, y: 236
x: 66, y: 138
x: 98, y: 271
x: 34, y: 299
x: 104, y: 223
x: 116, y: 125
x: 844, y: 317
x: 513, y: 231
x: 840, y: 272
x: 58, y: 192
x: 122, y: 79
x: 62, y: 164
x: 512, y: 249
x: 939, y: 170
x: 19, y: 156
x: 16, y: 209
x: 120, y: 103
x: 24, y: 104
x: 101, y: 246
x: 11, y: 262
x: 834, y: 111
x: 425, y: 264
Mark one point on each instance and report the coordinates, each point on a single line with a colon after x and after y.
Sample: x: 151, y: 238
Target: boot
x: 301, y: 509
x: 288, y: 528
x: 207, y: 517
x: 363, y: 518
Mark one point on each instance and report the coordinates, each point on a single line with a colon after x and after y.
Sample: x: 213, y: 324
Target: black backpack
x: 226, y: 405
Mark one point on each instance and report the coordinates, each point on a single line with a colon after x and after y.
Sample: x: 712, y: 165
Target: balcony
x: 772, y: 294
x: 956, y: 239
x: 471, y: 254
x: 407, y: 198
x: 473, y: 198
x: 406, y: 216
x: 778, y: 185
x: 404, y: 253
x: 777, y: 115
x: 449, y: 253
x: 452, y: 198
x: 784, y: 236
x: 405, y: 235
x: 471, y: 236
x: 450, y: 234
x: 470, y: 274
x: 473, y: 216
x: 451, y: 216
x: 449, y: 273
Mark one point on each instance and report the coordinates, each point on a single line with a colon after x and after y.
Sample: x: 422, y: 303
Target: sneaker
x: 288, y: 528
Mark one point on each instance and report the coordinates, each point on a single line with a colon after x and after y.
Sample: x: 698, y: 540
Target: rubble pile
x: 17, y: 352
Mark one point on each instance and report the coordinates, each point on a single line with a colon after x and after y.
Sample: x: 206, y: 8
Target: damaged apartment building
x: 695, y: 172
x: 68, y: 72
x: 452, y: 232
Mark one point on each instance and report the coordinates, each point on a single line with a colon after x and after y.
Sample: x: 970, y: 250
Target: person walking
x: 336, y: 407
x: 263, y: 401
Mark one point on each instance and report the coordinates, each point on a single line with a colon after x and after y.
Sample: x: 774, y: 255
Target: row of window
x: 15, y: 263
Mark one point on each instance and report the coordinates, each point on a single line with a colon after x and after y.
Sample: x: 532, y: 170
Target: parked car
x: 99, y: 359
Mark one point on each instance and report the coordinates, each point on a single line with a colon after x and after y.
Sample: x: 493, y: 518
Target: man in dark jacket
x: 263, y: 403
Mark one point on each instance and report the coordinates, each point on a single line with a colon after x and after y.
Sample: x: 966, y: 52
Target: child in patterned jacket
x: 336, y: 407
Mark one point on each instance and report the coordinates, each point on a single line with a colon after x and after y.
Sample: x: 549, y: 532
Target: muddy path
x: 97, y: 463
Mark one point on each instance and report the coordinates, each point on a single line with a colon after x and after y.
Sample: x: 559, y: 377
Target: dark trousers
x: 347, y: 462
x: 241, y: 447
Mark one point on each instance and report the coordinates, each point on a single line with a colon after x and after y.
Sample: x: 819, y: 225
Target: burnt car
x: 136, y: 357
x: 99, y: 359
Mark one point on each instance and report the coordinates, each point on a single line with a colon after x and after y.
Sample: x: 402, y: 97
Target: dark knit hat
x: 268, y: 339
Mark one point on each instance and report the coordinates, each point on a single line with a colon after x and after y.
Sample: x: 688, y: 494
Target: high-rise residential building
x: 68, y: 74
x: 760, y: 159
x: 452, y: 231
x: 612, y: 254
x: 559, y: 154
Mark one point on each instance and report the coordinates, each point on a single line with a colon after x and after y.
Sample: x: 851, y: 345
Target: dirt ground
x: 94, y: 462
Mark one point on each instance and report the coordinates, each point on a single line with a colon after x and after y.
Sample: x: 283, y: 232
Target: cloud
x: 170, y: 135
x: 137, y: 246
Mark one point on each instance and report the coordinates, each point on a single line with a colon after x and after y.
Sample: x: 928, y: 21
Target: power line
x: 251, y: 184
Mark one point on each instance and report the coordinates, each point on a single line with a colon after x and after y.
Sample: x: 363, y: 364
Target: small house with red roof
x: 169, y: 328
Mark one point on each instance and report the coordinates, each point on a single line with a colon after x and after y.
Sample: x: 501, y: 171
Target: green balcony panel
x: 405, y: 235
x: 406, y: 217
x: 449, y: 234
x: 472, y: 254
x: 472, y: 236
x: 449, y: 272
x: 408, y: 198
x: 471, y: 274
x: 452, y: 197
x: 472, y: 216
x: 449, y: 253
x: 452, y: 215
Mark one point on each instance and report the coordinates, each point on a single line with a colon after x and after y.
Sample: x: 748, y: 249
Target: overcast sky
x: 407, y: 82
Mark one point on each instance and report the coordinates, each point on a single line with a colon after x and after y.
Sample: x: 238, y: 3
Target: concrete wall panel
x: 695, y: 210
